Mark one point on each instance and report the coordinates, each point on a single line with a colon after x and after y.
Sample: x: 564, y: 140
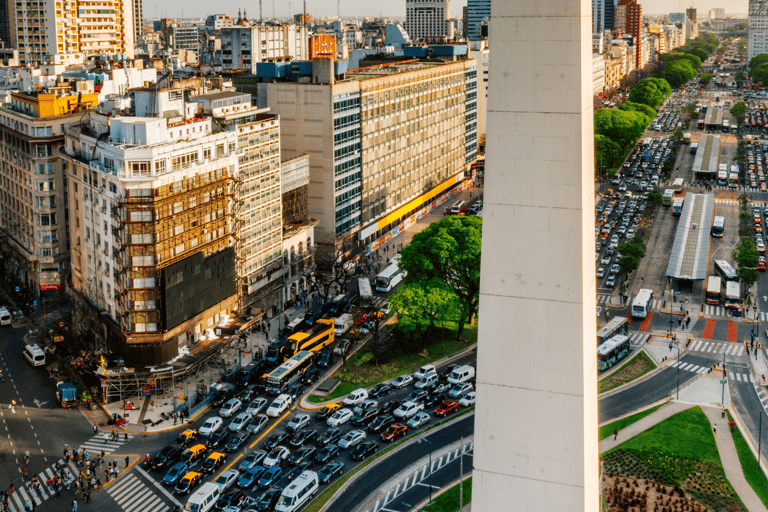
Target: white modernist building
x: 428, y: 19
x: 536, y: 423
x: 244, y: 47
x: 757, y: 31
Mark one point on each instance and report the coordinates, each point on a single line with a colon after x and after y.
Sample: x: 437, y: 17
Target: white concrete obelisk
x: 536, y: 419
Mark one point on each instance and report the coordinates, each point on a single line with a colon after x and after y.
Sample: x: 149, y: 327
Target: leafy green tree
x: 650, y: 91
x: 622, y: 127
x: 647, y: 111
x: 419, y: 308
x: 739, y: 77
x: 654, y: 197
x: 705, y: 78
x: 758, y: 60
x: 700, y: 53
x: 739, y: 109
x: 679, y: 72
x: 745, y: 256
x: 632, y: 252
x: 759, y: 74
x: 690, y: 108
x: 607, y: 153
x: 677, y: 136
x: 668, y: 58
x: 448, y: 252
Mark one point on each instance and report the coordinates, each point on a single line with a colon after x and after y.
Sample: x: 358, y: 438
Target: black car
x: 332, y: 435
x: 235, y: 441
x: 432, y: 401
x: 296, y: 391
x: 329, y: 471
x: 298, y: 470
x: 166, y: 457
x: 216, y: 439
x: 390, y: 406
x: 380, y: 390
x: 275, y: 440
x: 302, y: 456
x: 365, y: 417
x: 324, y: 413
x: 310, y: 376
x: 236, y: 498
x: 447, y: 371
x: 222, y: 397
x: 325, y: 359
x: 247, y: 395
x: 365, y: 450
x: 303, y: 436
x: 416, y: 396
x: 381, y: 423
x: 268, y: 500
x: 327, y: 453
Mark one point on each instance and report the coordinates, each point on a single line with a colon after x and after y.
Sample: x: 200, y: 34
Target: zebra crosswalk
x: 132, y: 493
x: 713, y: 310
x: 638, y: 338
x: 734, y: 202
x: 98, y: 443
x: 716, y: 347
x: 689, y: 367
x: 24, y: 494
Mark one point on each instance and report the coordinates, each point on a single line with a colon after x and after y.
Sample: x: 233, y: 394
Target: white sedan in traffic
x: 340, y: 417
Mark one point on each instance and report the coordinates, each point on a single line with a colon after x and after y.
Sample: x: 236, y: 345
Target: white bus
x: 733, y: 177
x: 389, y: 278
x: 718, y: 227
x: 666, y: 199
x: 677, y: 206
x: 732, y: 295
x: 364, y: 286
x: 642, y: 303
x: 725, y: 270
x: 713, y: 290
x: 612, y: 351
x: 617, y: 325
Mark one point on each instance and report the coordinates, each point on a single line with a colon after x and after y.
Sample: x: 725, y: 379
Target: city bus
x: 617, y: 325
x: 733, y: 177
x: 677, y: 186
x: 732, y: 295
x: 316, y: 339
x: 285, y: 375
x: 713, y: 290
x: 667, y: 198
x: 718, y: 227
x: 677, y: 206
x: 722, y: 177
x: 612, y: 351
x: 725, y: 270
x: 642, y: 303
x: 458, y: 208
x: 390, y: 277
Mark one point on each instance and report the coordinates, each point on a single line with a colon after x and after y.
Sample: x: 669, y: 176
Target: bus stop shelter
x: 690, y: 252
x: 707, y: 159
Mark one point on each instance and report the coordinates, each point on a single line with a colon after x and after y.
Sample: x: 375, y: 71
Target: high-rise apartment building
x: 628, y: 17
x: 718, y: 13
x: 602, y: 15
x: 138, y: 21
x: 244, y: 47
x: 184, y: 37
x: 5, y: 26
x: 478, y: 11
x: 33, y: 191
x: 677, y: 18
x: 757, y: 30
x: 384, y: 140
x: 66, y: 31
x: 428, y: 19
x: 690, y: 13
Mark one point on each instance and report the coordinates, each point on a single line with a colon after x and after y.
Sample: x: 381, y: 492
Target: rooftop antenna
x: 261, y: 17
x: 304, y: 16
x: 338, y: 9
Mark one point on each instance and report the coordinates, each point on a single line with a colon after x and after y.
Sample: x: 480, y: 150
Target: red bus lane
x: 646, y: 324
x: 709, y: 329
x: 733, y: 330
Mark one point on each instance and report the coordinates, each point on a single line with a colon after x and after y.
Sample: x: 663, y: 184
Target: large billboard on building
x: 195, y: 284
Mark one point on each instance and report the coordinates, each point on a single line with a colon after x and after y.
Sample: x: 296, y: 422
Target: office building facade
x: 757, y: 29
x: 244, y: 47
x: 478, y: 11
x: 428, y: 19
x: 628, y: 17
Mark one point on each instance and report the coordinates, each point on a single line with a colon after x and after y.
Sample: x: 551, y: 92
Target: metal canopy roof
x: 690, y: 251
x: 707, y: 157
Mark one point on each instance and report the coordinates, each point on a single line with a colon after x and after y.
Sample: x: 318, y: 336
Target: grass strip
x: 449, y: 500
x: 634, y: 369
x: 326, y: 495
x: 752, y: 473
x: 607, y: 430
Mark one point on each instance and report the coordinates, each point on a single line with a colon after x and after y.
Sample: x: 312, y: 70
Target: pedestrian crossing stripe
x: 132, y: 493
x: 712, y: 310
x: 97, y: 443
x: 714, y: 347
x: 638, y: 338
x: 689, y: 367
x: 727, y: 201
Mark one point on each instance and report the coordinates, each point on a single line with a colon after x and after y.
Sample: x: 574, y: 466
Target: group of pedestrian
x: 685, y: 323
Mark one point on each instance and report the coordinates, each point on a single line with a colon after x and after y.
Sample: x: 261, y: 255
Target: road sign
x: 723, y: 381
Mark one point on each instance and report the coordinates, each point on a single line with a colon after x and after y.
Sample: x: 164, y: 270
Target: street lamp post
x: 424, y: 439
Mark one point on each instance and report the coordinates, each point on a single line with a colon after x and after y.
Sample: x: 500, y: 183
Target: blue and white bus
x: 718, y: 227
x: 390, y: 277
x: 285, y: 375
x: 677, y: 206
x: 612, y: 351
x: 642, y: 303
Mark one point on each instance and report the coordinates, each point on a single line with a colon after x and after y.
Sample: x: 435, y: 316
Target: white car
x: 358, y: 396
x: 240, y: 422
x: 256, y: 406
x: 279, y: 405
x: 230, y: 408
x: 615, y: 268
x: 226, y: 479
x: 606, y: 260
x: 340, y: 417
x: 210, y: 426
x: 298, y: 423
x: 421, y: 418
x: 352, y: 438
x: 385, y: 308
x: 257, y: 424
x: 402, y: 381
x: 460, y: 390
x: 424, y: 371
x: 601, y: 272
x: 408, y: 409
x: 468, y: 399
x: 276, y: 457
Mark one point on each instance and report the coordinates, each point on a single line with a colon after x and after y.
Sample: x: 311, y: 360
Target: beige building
x: 614, y: 71
x: 65, y: 31
x: 244, y: 47
x: 33, y: 192
x: 384, y: 140
x: 598, y: 73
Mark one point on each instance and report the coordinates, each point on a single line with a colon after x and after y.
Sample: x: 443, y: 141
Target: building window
x: 43, y: 131
x: 139, y: 168
x: 184, y: 161
x: 109, y: 164
x: 42, y: 150
x: 46, y: 186
x: 160, y: 166
x: 44, y: 168
x: 49, y: 251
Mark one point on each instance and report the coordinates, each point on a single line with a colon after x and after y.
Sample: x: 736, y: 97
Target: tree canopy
x: 632, y: 252
x: 739, y: 109
x: 447, y: 254
x: 701, y: 53
x: 418, y: 307
x: 649, y: 112
x: 654, y: 197
x: 650, y: 91
x: 758, y: 60
x: 760, y: 73
x: 621, y: 126
x: 679, y: 72
x: 607, y: 153
x: 705, y: 78
x: 745, y: 256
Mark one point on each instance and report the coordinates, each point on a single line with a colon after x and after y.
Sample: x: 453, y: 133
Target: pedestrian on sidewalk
x: 127, y: 461
x: 74, y: 505
x: 615, y: 434
x: 679, y: 321
x: 125, y: 437
x: 714, y: 429
x: 95, y: 430
x: 106, y: 437
x: 722, y: 412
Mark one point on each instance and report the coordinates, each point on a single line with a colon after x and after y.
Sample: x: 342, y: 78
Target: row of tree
x: 758, y: 68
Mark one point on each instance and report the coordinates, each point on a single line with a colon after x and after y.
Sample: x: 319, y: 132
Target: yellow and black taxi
x: 187, y: 437
x: 326, y: 412
x: 188, y: 482
x: 214, y: 460
x: 194, y: 453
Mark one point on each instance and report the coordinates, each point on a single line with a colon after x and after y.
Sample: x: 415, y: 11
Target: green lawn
x: 370, y: 374
x: 449, y: 500
x: 607, y: 430
x: 634, y: 369
x: 687, y: 434
x: 754, y: 475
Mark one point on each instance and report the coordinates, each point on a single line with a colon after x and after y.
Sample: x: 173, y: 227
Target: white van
x: 5, y: 317
x: 204, y: 498
x: 427, y: 382
x: 34, y: 355
x: 358, y: 396
x: 342, y: 323
x: 461, y: 374
x: 300, y: 492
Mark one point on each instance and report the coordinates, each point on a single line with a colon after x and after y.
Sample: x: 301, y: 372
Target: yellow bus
x: 319, y: 337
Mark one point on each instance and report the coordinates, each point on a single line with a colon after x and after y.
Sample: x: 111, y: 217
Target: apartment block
x: 628, y: 17
x: 184, y: 37
x: 33, y: 195
x: 757, y: 32
x: 66, y: 31
x: 244, y: 47
x: 428, y: 19
x: 384, y: 140
x: 478, y: 11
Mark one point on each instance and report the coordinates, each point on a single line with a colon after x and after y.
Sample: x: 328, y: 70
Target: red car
x: 395, y: 430
x: 446, y: 408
